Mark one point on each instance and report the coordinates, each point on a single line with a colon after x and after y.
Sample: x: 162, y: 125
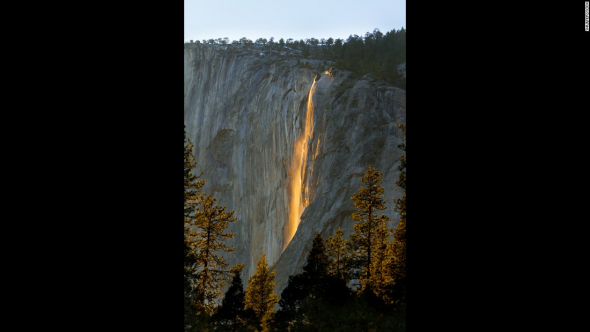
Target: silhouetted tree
x: 306, y: 51
x: 231, y: 315
x: 290, y: 302
x: 311, y: 295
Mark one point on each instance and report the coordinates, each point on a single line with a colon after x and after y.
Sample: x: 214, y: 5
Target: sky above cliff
x: 234, y: 19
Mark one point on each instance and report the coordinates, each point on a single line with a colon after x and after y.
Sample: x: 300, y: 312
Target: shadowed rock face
x: 244, y: 113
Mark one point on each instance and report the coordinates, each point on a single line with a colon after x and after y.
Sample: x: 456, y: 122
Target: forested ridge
x: 377, y: 54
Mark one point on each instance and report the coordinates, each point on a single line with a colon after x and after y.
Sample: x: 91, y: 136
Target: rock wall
x: 243, y: 112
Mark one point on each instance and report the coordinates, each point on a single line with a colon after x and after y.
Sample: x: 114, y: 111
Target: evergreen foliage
x: 260, y: 296
x: 290, y: 303
x: 211, y: 221
x: 318, y: 298
x: 380, y: 275
x: 374, y: 53
x: 366, y: 243
x: 232, y: 315
x: 192, y: 185
x: 205, y: 269
x: 310, y: 297
x: 338, y: 256
x: 317, y: 263
x: 397, y: 263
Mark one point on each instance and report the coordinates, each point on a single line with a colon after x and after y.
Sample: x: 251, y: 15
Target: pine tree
x: 260, y: 295
x: 192, y: 185
x: 317, y: 261
x: 397, y: 264
x: 323, y: 290
x: 338, y: 256
x: 231, y: 314
x: 291, y: 298
x: 308, y: 297
x: 365, y: 242
x: 381, y: 277
x: 211, y: 222
x: 190, y: 308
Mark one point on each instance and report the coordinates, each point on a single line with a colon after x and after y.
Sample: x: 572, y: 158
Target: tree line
x: 373, y: 53
x: 355, y: 284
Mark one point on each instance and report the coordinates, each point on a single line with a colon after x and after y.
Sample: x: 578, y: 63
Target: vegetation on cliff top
x: 377, y: 54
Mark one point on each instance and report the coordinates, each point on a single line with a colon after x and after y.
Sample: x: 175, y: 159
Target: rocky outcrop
x: 244, y: 113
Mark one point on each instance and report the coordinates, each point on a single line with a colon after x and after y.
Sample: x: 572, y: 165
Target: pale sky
x: 234, y: 19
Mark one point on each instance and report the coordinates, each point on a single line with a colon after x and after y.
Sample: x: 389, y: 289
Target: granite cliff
x: 247, y: 113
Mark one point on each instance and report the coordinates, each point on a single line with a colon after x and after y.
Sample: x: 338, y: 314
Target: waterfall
x: 299, y: 182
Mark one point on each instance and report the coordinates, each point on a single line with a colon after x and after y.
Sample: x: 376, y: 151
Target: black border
x: 496, y: 93
x: 101, y: 118
x: 105, y: 135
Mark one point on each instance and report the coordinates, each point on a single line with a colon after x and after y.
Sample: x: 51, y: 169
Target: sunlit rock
x: 245, y: 113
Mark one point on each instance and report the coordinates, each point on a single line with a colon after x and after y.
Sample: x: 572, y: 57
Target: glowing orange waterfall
x: 299, y: 192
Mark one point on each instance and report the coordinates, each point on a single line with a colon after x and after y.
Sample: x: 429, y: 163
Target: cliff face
x: 245, y: 113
